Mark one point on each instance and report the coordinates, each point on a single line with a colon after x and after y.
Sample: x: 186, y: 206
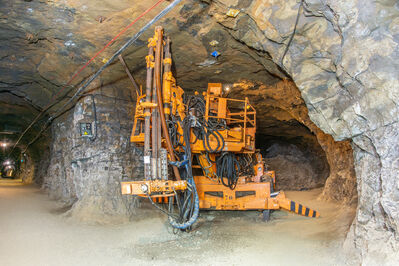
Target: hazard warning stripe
x: 302, y: 210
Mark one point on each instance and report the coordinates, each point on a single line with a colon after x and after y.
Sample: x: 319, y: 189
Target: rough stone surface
x: 295, y: 169
x: 282, y: 103
x: 376, y: 225
x: 85, y: 172
x: 343, y: 59
x: 27, y: 170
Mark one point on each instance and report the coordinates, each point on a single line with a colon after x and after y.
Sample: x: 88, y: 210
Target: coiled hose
x: 189, y: 210
x: 194, y: 210
x: 205, y: 129
x: 229, y: 168
x: 189, y: 207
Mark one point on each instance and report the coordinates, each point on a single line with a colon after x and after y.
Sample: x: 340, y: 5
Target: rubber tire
x: 266, y: 215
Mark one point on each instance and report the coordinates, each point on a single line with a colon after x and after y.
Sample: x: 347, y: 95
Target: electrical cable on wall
x: 113, y: 57
x: 53, y: 102
x: 293, y: 33
x: 95, y: 122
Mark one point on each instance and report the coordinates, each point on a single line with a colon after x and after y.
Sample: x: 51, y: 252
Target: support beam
x: 129, y: 74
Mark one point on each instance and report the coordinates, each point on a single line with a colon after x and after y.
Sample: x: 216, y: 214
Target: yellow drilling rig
x: 207, y: 140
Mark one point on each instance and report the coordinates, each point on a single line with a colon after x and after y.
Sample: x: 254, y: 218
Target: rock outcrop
x: 284, y: 103
x: 343, y: 58
x: 295, y: 169
x: 85, y: 172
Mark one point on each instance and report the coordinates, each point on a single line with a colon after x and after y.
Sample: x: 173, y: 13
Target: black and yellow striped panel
x: 303, y: 210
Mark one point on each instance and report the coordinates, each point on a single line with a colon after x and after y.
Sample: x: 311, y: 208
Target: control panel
x: 86, y: 129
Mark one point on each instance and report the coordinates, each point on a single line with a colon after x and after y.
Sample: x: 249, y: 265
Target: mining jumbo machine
x: 207, y: 140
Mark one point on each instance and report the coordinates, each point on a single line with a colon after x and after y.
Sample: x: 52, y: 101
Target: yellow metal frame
x: 246, y: 196
x: 250, y: 193
x: 149, y: 187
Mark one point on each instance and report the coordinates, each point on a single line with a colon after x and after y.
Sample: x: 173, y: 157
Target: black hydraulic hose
x: 159, y: 208
x: 189, y: 207
x: 187, y: 203
x: 113, y: 57
x: 186, y: 137
x: 172, y: 132
x: 194, y: 215
x: 229, y: 168
x: 219, y: 138
x: 207, y: 143
x: 94, y: 117
x: 206, y: 128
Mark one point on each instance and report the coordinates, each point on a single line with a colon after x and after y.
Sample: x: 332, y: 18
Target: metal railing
x: 242, y: 118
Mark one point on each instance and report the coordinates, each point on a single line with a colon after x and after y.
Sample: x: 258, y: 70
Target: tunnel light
x: 4, y: 145
x: 8, y: 162
x: 227, y: 88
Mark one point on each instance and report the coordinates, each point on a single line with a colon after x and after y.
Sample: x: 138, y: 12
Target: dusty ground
x: 34, y: 231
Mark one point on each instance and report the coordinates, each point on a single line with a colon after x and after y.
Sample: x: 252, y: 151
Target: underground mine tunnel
x: 199, y: 132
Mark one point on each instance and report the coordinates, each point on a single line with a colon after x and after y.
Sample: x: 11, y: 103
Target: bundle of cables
x: 184, y: 213
x: 246, y: 165
x: 203, y: 129
x: 187, y: 202
x: 187, y: 205
x: 183, y: 208
x: 173, y: 132
x: 228, y: 167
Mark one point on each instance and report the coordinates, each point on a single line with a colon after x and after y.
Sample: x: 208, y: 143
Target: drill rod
x: 167, y: 68
x: 158, y: 83
x: 147, y: 119
x: 154, y: 143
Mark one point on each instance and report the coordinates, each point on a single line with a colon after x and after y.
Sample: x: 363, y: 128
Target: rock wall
x: 376, y: 227
x: 27, y: 170
x: 296, y: 169
x: 341, y: 182
x: 344, y: 60
x: 86, y: 172
x: 42, y: 162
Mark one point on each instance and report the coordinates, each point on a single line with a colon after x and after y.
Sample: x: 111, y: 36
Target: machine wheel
x: 266, y: 215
